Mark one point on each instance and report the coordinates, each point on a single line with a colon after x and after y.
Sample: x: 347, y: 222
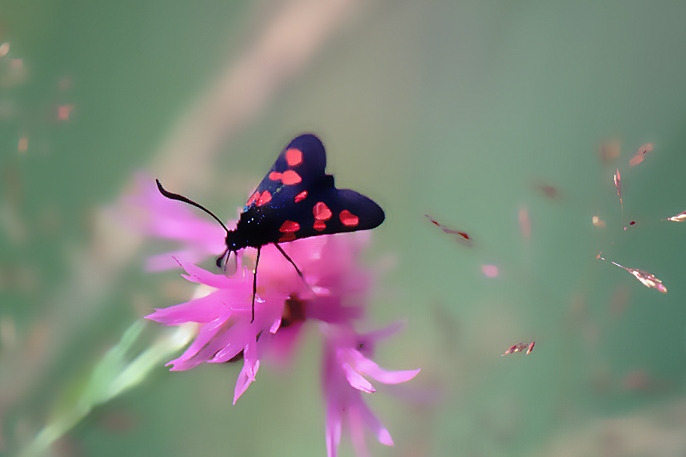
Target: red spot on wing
x: 275, y: 176
x: 301, y: 196
x: 319, y: 225
x: 290, y: 177
x: 253, y: 199
x: 287, y: 237
x: 294, y: 157
x: 348, y: 219
x: 321, y: 212
x: 289, y: 227
x: 265, y: 198
x: 464, y: 235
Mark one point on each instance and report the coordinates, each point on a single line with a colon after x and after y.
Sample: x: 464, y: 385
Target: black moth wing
x: 299, y: 167
x: 297, y: 199
x: 330, y: 211
x: 351, y: 211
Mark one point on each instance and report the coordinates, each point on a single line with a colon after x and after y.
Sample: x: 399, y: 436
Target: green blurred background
x: 464, y: 110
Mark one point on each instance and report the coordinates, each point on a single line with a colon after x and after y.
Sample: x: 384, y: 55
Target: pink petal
x: 384, y: 437
x: 190, y: 228
x: 385, y: 332
x: 227, y: 353
x: 284, y: 343
x: 382, y: 434
x: 333, y: 430
x: 220, y: 342
x: 198, y: 275
x: 330, y: 309
x: 172, y: 220
x: 188, y: 360
x: 393, y: 377
x: 201, y: 310
x: 235, y: 340
x: 370, y: 368
x: 356, y: 380
x: 245, y: 378
x: 356, y: 426
x: 251, y: 359
x: 251, y: 365
x: 275, y: 326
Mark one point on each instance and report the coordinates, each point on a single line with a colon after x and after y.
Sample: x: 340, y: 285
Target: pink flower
x: 334, y: 293
x: 345, y: 367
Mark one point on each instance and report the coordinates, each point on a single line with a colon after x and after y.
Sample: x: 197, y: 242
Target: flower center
x: 294, y: 311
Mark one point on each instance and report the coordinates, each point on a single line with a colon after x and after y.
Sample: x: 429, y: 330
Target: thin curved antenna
x: 181, y: 198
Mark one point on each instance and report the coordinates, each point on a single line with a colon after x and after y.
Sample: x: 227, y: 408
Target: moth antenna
x: 181, y: 198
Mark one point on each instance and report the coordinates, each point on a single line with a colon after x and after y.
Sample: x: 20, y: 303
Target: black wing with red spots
x: 329, y: 211
x: 297, y: 199
x: 297, y: 171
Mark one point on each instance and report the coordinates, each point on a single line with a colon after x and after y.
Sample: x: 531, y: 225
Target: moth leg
x: 300, y: 273
x: 220, y: 260
x: 229, y: 266
x: 254, y: 284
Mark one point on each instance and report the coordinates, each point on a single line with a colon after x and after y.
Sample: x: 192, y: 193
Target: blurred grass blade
x: 119, y: 370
